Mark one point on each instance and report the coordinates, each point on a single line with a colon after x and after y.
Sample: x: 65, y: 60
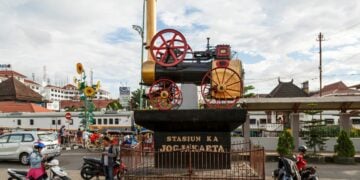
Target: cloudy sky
x: 272, y: 38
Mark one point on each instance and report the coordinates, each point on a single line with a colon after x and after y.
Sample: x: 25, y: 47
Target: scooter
x: 92, y: 167
x: 56, y: 173
x: 287, y: 170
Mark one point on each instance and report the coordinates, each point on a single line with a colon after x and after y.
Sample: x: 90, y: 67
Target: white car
x: 19, y: 145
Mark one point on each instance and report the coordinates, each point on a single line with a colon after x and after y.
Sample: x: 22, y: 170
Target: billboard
x: 124, y: 96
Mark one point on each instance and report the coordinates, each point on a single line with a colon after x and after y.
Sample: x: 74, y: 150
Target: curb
x: 72, y: 147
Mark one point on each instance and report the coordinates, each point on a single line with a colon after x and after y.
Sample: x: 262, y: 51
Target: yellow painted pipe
x: 150, y: 23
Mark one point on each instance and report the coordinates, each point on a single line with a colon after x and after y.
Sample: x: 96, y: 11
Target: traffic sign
x: 68, y: 116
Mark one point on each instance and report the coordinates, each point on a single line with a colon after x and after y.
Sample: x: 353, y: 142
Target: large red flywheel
x: 168, y: 47
x: 221, y: 88
x: 164, y: 94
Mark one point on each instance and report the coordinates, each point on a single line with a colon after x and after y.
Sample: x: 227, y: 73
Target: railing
x: 242, y: 162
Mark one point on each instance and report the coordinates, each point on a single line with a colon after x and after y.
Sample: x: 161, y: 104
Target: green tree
x: 344, y: 146
x: 248, y: 94
x: 314, y: 133
x: 135, y: 100
x: 114, y: 106
x: 285, y: 144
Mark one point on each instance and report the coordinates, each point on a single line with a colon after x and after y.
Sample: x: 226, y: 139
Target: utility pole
x: 320, y: 39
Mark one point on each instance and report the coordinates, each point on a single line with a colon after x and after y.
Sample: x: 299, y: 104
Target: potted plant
x: 344, y: 149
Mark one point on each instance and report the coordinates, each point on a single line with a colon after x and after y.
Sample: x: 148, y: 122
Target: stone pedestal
x: 200, y: 138
x: 345, y: 122
x: 295, y: 127
x: 190, y: 96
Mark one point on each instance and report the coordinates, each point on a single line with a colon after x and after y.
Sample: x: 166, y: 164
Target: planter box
x: 344, y: 160
x: 318, y: 159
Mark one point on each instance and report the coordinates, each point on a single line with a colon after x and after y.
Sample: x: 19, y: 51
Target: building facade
x: 54, y: 120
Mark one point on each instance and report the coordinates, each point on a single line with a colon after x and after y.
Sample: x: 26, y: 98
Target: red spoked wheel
x: 221, y: 88
x: 164, y: 94
x: 168, y: 47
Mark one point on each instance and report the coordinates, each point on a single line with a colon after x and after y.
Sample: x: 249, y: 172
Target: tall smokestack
x: 150, y: 23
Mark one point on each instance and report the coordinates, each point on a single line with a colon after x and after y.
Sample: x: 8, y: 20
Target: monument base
x: 197, y: 138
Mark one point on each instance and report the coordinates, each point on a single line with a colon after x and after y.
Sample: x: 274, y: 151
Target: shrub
x: 285, y: 144
x: 344, y: 146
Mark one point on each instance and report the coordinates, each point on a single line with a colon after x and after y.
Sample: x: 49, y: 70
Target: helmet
x: 302, y: 148
x: 38, y: 145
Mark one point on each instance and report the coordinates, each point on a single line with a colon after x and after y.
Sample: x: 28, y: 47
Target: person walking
x: 79, y: 135
x: 62, y: 134
x: 108, y: 158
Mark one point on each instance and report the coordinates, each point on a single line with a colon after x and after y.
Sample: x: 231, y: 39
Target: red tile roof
x: 12, y: 106
x: 77, y: 104
x: 69, y: 86
x: 357, y: 86
x: 9, y: 73
x: 14, y: 90
x: 31, y: 82
x: 337, y: 89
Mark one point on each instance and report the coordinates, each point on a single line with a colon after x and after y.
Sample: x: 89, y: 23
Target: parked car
x: 19, y: 145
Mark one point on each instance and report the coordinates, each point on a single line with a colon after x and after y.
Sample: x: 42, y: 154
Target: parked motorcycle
x: 287, y: 170
x: 56, y: 172
x: 92, y: 167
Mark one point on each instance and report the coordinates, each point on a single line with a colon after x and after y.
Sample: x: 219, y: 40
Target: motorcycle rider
x: 37, y: 169
x: 300, y: 161
x: 305, y: 171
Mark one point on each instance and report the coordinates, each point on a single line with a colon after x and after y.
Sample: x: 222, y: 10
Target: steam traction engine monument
x: 190, y: 141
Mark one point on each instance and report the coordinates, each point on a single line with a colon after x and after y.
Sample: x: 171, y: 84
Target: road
x: 71, y: 161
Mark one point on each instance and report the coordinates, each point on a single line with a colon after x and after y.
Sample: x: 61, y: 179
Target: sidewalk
x: 73, y: 174
x: 273, y: 156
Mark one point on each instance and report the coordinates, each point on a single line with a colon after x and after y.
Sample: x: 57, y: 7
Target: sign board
x: 124, y: 96
x: 5, y: 66
x: 68, y: 116
x: 177, y: 149
x: 53, y: 106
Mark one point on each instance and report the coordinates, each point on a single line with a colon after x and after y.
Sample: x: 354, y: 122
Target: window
x: 356, y: 121
x: 53, y: 122
x: 3, y: 139
x: 15, y: 138
x: 116, y: 121
x: 262, y: 121
x: 28, y: 138
x: 31, y: 122
x: 111, y: 121
x: 99, y: 121
x: 329, y: 121
x: 252, y: 121
x: 105, y: 121
x: 19, y: 122
x: 59, y: 122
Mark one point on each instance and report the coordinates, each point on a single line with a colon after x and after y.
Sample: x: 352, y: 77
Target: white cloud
x: 60, y: 33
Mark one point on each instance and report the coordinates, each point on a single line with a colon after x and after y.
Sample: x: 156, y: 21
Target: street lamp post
x: 140, y: 30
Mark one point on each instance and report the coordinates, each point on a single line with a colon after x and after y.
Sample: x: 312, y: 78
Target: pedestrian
x: 62, y: 134
x: 1, y: 131
x: 108, y: 157
x: 85, y: 137
x: 79, y: 135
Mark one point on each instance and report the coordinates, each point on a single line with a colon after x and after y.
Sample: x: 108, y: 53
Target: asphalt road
x: 72, y: 161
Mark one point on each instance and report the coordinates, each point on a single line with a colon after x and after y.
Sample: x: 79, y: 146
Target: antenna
x: 91, y: 77
x: 33, y: 76
x: 44, y: 75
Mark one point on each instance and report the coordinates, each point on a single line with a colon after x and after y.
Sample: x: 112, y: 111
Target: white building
x: 56, y: 93
x: 54, y: 120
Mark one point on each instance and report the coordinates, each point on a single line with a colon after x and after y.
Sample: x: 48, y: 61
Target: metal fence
x: 243, y: 161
